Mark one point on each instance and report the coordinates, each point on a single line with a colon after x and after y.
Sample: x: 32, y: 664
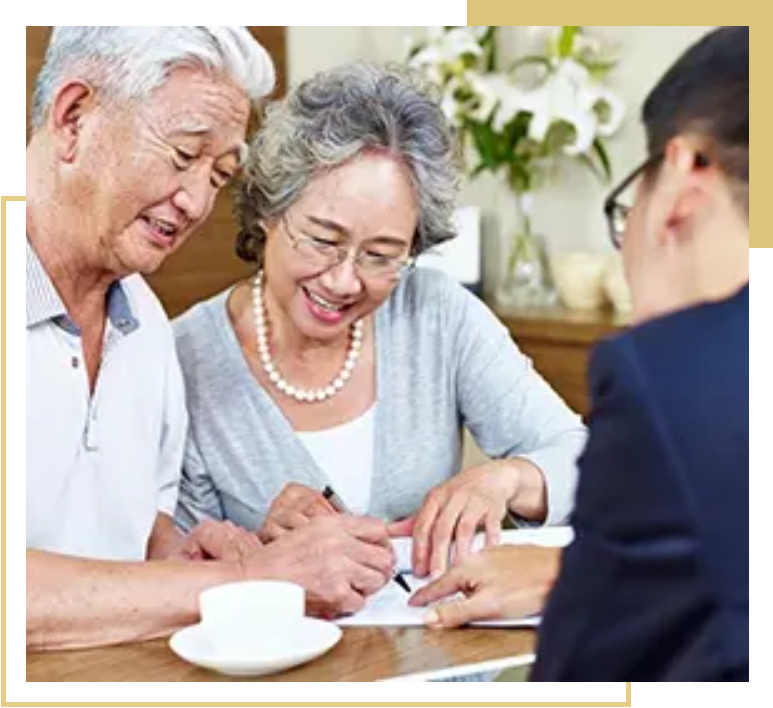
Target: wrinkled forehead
x: 198, y: 105
x: 188, y: 126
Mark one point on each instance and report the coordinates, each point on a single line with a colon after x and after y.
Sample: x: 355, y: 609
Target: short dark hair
x: 707, y: 92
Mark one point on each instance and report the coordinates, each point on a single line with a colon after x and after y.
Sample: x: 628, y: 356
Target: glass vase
x: 527, y: 282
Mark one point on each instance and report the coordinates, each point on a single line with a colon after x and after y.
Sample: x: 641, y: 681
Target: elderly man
x: 135, y: 130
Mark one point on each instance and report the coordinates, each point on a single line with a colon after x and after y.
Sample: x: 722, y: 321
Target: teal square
x: 677, y: 695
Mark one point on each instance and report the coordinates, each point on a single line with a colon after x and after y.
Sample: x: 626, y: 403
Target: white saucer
x: 280, y: 647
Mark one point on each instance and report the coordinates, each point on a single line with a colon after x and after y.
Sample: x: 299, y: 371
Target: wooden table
x: 364, y: 654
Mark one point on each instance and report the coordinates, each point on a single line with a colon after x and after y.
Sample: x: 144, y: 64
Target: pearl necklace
x: 301, y: 395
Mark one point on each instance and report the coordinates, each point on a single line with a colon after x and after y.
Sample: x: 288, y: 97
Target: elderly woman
x: 341, y: 365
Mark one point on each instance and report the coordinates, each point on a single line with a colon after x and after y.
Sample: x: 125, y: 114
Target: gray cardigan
x: 443, y: 362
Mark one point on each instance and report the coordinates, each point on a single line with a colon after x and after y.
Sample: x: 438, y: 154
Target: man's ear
x: 686, y: 184
x: 71, y: 105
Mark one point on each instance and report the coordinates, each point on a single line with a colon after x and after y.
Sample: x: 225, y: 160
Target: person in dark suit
x: 655, y: 585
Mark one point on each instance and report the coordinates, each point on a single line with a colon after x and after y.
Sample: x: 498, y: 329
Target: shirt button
x: 75, y: 362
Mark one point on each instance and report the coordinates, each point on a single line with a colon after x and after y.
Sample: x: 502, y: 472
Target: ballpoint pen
x: 337, y: 503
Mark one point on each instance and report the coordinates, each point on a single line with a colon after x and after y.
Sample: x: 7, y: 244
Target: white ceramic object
x: 276, y: 647
x: 461, y: 257
x: 235, y: 614
x: 616, y: 287
x: 579, y: 279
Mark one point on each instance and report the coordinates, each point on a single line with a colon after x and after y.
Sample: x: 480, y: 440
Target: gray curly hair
x: 330, y: 119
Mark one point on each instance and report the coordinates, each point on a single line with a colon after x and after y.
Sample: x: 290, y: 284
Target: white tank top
x: 345, y: 455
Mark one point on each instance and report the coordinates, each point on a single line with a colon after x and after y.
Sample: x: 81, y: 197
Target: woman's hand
x: 509, y: 582
x: 478, y: 498
x: 294, y: 508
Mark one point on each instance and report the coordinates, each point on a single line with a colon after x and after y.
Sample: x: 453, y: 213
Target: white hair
x: 131, y: 62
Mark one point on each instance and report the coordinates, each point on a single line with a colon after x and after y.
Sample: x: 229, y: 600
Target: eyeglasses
x: 616, y: 211
x: 325, y: 254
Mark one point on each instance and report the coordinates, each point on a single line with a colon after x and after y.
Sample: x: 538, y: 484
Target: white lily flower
x: 479, y: 32
x: 562, y: 99
x: 496, y: 94
x: 449, y: 103
x: 608, y: 108
x: 588, y: 46
x: 427, y: 62
x: 568, y: 93
x: 447, y: 48
x: 460, y: 41
x: 490, y: 91
x: 514, y: 101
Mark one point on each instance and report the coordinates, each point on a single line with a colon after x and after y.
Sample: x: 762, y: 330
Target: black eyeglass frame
x: 617, y: 213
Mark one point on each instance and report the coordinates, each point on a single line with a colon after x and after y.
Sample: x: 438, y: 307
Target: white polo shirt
x: 100, y: 468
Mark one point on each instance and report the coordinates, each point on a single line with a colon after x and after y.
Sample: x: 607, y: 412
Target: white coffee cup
x: 238, y: 616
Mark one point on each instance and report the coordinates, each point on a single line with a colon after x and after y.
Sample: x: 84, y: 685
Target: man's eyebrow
x: 240, y: 151
x: 192, y: 128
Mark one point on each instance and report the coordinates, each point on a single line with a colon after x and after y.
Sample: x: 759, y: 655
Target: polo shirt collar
x: 44, y: 303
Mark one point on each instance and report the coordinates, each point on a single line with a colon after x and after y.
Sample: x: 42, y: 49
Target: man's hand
x: 339, y: 560
x: 509, y: 582
x: 219, y: 540
x: 293, y: 509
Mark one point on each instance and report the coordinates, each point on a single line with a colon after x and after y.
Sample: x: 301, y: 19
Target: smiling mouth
x: 162, y: 232
x: 325, y: 304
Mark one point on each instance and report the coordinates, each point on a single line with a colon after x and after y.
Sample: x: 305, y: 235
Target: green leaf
x: 479, y: 170
x: 485, y: 142
x: 520, y: 177
x: 603, y: 156
x: 566, y: 41
x: 490, y: 44
x: 601, y: 166
x: 599, y: 67
x: 592, y: 166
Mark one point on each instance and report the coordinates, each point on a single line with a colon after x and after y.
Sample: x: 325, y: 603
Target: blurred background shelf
x: 559, y: 341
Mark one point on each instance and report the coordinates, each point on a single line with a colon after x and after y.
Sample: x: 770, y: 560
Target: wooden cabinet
x: 559, y: 342
x: 37, y: 41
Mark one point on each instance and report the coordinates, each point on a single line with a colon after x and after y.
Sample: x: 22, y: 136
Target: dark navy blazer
x: 656, y: 585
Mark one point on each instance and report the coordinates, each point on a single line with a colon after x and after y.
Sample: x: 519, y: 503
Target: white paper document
x: 389, y: 607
